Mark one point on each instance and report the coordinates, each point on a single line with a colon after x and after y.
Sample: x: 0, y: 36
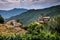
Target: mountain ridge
x: 31, y: 15
x: 13, y: 12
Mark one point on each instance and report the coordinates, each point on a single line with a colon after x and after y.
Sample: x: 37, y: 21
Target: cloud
x: 10, y: 4
x: 36, y: 4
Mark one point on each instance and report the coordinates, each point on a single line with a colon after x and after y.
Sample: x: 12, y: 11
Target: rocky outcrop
x: 14, y: 23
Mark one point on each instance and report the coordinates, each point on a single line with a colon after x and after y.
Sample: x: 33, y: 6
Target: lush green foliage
x: 57, y: 19
x: 18, y: 20
x: 46, y: 31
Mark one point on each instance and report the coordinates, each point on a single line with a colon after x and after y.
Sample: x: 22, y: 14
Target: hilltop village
x: 18, y: 26
x: 42, y: 19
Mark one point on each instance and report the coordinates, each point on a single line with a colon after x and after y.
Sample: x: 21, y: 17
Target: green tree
x: 57, y: 19
x: 18, y: 20
x: 1, y: 19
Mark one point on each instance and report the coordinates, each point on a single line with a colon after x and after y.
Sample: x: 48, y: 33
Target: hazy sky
x: 28, y: 4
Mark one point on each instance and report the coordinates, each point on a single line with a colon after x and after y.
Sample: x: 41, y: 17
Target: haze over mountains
x: 31, y: 15
x: 16, y: 11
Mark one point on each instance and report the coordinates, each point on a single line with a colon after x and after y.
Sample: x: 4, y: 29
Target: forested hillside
x: 31, y: 15
x: 49, y: 30
x: 13, y: 12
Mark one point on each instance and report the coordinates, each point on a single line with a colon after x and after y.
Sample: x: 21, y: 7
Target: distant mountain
x: 31, y: 15
x: 13, y: 12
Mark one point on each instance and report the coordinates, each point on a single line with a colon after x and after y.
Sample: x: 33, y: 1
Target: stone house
x: 43, y: 19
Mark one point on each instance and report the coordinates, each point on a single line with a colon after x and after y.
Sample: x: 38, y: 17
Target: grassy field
x: 9, y: 29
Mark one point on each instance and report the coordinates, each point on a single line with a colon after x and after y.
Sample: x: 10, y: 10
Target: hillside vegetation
x: 31, y: 15
x: 47, y: 31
